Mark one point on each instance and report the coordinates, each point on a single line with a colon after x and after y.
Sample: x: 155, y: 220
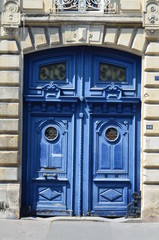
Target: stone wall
x: 150, y: 157
x: 25, y: 28
x: 9, y: 128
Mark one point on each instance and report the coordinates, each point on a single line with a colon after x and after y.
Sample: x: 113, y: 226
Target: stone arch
x: 127, y: 39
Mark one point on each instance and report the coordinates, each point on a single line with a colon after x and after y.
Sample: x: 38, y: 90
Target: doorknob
x: 51, y: 175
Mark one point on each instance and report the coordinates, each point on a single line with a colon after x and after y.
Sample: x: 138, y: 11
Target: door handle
x: 50, y: 175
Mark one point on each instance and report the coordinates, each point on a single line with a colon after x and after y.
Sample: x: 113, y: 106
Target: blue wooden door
x: 50, y: 168
x: 82, y: 129
x: 113, y: 164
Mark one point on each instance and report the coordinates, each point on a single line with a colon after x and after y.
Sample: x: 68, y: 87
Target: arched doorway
x: 81, y: 131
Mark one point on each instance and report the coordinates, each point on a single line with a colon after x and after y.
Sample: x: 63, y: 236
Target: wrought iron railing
x: 105, y: 6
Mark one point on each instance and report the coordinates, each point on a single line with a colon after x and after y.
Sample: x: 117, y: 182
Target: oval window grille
x: 51, y: 133
x: 111, y: 134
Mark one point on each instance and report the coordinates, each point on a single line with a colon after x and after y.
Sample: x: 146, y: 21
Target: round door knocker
x: 51, y: 133
x: 111, y: 134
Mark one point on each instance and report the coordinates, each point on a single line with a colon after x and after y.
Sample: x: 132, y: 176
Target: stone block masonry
x: 10, y: 67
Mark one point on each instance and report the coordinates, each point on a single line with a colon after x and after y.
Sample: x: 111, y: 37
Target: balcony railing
x: 83, y: 6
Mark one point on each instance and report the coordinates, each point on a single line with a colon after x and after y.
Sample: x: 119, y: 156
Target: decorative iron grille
x: 105, y: 6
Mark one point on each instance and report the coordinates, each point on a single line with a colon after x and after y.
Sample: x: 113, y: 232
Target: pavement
x: 78, y: 229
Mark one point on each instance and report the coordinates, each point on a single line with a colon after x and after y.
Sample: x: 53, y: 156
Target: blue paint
x: 81, y: 172
x: 149, y: 127
x: 156, y: 78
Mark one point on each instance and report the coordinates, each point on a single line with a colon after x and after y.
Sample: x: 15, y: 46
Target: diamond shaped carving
x: 50, y: 194
x: 111, y: 194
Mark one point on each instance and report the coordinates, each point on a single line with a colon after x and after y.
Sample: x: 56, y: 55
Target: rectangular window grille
x: 111, y: 73
x: 55, y: 71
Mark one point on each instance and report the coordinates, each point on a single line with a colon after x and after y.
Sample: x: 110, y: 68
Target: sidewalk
x: 77, y: 229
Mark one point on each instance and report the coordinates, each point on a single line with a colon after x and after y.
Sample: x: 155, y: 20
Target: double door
x: 81, y: 132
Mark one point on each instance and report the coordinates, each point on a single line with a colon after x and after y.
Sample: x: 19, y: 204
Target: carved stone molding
x: 151, y: 14
x: 11, y: 18
x: 82, y: 34
x: 151, y: 18
x: 152, y: 33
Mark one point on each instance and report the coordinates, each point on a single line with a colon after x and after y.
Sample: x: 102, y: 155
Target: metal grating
x: 105, y: 6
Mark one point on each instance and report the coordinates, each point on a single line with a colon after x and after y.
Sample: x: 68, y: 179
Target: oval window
x: 51, y: 133
x: 111, y: 134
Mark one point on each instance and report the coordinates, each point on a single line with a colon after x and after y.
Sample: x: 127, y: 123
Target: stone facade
x: 28, y: 26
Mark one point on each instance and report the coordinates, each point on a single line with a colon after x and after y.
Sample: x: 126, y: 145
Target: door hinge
x: 134, y: 208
